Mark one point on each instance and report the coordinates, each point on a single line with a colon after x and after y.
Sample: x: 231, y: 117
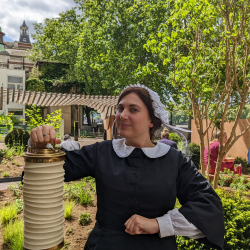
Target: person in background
x: 214, y: 151
x: 94, y: 126
x: 165, y: 139
x: 68, y: 144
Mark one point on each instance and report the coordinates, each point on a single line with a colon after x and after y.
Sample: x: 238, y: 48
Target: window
x: 17, y: 68
x: 19, y: 87
x: 15, y: 79
x: 11, y: 86
x: 24, y: 39
x: 15, y: 111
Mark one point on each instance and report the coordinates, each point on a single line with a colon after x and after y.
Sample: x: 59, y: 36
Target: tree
x: 205, y: 46
x: 104, y: 45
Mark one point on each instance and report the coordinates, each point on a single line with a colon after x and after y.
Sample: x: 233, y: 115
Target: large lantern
x: 43, y: 199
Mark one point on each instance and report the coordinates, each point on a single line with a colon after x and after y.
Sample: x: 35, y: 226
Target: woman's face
x: 132, y: 118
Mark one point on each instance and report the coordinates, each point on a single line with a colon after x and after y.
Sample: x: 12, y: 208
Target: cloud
x: 13, y: 12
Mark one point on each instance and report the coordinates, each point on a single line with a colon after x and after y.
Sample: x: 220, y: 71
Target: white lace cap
x: 159, y: 110
x: 158, y: 107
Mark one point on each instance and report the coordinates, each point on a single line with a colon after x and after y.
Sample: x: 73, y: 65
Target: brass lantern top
x: 44, y: 155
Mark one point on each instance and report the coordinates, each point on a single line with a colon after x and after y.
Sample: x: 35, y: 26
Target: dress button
x: 134, y: 199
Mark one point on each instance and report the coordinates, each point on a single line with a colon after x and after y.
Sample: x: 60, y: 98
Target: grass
x: 68, y: 208
x: 13, y: 235
x: 84, y: 218
x: 6, y: 174
x: 8, y: 213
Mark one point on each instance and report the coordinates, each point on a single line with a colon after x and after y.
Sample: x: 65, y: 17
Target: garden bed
x: 11, y: 168
x: 76, y: 235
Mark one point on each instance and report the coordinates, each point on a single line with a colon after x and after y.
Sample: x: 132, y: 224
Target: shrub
x: 243, y: 162
x: 8, y: 213
x: 19, y: 205
x: 6, y: 174
x: 2, y: 152
x: 13, y: 235
x: 84, y: 218
x: 17, y: 137
x: 192, y: 150
x: 237, y: 223
x: 68, y: 208
x: 174, y: 137
x: 79, y: 193
x: 15, y: 190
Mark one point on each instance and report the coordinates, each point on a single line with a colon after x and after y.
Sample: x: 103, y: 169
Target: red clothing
x: 214, y: 151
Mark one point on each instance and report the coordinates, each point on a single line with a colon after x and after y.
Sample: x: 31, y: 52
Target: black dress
x: 148, y: 187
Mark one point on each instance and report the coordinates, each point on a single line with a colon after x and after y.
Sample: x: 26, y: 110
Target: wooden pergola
x: 105, y: 105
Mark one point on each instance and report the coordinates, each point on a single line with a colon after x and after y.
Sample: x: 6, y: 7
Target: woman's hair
x: 145, y: 97
x: 165, y: 133
x: 217, y: 134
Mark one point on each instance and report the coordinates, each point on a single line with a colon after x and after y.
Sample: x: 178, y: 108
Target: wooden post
x: 1, y: 101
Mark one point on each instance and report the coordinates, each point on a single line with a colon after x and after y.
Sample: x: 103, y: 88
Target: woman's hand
x: 43, y: 135
x: 137, y: 224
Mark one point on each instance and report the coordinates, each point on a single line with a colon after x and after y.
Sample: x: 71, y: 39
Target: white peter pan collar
x: 122, y: 150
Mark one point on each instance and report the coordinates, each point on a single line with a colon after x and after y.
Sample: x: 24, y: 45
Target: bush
x: 84, y: 218
x: 68, y: 208
x: 79, y: 193
x: 13, y: 235
x: 192, y: 150
x: 6, y: 174
x: 243, y: 162
x: 8, y: 213
x: 17, y: 137
x: 237, y: 223
x: 174, y: 137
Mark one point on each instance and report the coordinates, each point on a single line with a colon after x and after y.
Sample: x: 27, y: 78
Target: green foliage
x: 18, y: 164
x: 85, y: 134
x: 239, y: 183
x: 243, y: 162
x: 84, y: 218
x: 79, y: 193
x: 8, y: 213
x: 174, y: 137
x: 19, y: 205
x: 6, y: 119
x: 6, y: 174
x: 13, y: 235
x: 35, y: 119
x: 68, y: 208
x: 15, y: 190
x: 192, y: 150
x: 2, y: 152
x: 35, y: 84
x: 17, y: 137
x: 179, y: 116
x: 237, y: 223
x: 225, y: 177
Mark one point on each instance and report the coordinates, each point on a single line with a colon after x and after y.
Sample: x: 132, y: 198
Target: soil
x: 10, y: 166
x: 76, y: 235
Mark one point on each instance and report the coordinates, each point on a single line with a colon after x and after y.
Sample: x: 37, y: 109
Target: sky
x: 13, y: 12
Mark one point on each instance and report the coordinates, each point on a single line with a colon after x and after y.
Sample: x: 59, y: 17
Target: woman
x: 214, y: 151
x: 138, y: 182
x: 165, y: 139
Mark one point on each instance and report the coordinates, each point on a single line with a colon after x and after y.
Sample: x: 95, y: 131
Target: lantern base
x: 58, y: 247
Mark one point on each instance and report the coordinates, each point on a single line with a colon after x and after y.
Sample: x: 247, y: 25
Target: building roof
x: 16, y: 52
x: 24, y: 25
x: 4, y: 52
x: 103, y: 104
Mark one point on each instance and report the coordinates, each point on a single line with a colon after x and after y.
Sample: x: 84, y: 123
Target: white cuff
x: 174, y: 223
x: 165, y: 226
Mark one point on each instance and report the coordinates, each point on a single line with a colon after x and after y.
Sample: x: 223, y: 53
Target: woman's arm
x: 200, y: 204
x: 78, y: 163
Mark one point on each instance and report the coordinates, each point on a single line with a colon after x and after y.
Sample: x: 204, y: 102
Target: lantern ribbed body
x: 43, y: 205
